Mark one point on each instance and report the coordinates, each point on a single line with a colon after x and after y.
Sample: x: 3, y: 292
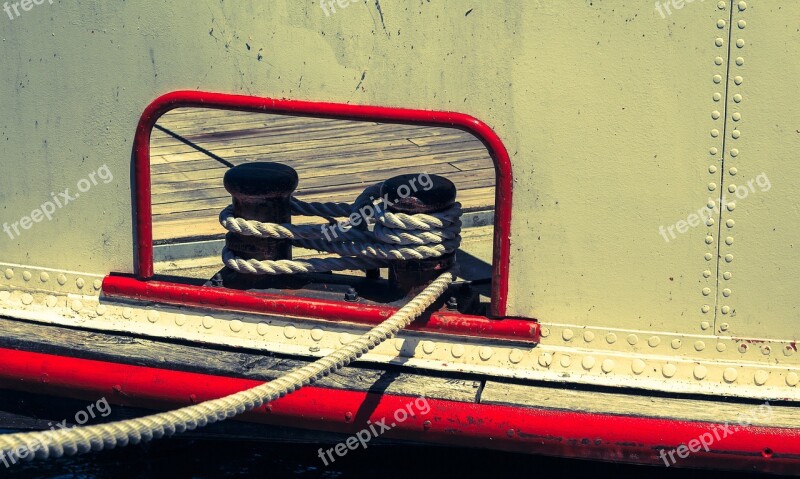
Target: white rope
x: 395, y: 237
x: 47, y: 444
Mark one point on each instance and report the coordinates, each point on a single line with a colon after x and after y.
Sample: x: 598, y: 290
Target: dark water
x: 177, y: 458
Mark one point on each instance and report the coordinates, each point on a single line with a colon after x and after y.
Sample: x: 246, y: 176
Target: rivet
x: 726, y: 292
x: 721, y: 347
x: 741, y: 24
x: 733, y: 171
x: 724, y: 326
x: 792, y: 379
x: 208, y: 322
x: 728, y: 258
x: 719, y: 42
x: 706, y: 291
x: 766, y: 350
x: 180, y: 319
x: 588, y: 362
x: 731, y: 188
x: 317, y: 333
x: 567, y: 334
x: 565, y: 361
x: 715, y: 114
x: 669, y: 370
x: 76, y: 305
x: 457, y: 351
x: 428, y: 347
x: 62, y: 280
x: 707, y: 274
x: 588, y: 336
x: 344, y: 338
x: 654, y: 341
x: 729, y: 240
x: 711, y: 205
x: 637, y: 366
x: 127, y: 313
x: 729, y: 375
x: 720, y: 24
x: 717, y: 78
x: 742, y: 6
x: 737, y: 98
x: 706, y: 308
x: 28, y: 299
x: 26, y: 275
x: 545, y: 332
x: 705, y: 325
x: 735, y: 134
x: 730, y: 223
x: 788, y: 350
x: 709, y: 239
x: 740, y: 61
x: 727, y: 275
x: 740, y: 43
x: 699, y: 345
x: 51, y: 301
x: 632, y: 339
x: 712, y: 169
x: 9, y: 273
x: 485, y: 353
x: 398, y: 344
x: 721, y: 5
x: 97, y: 284
x: 717, y: 96
x: 545, y: 360
x: 718, y: 60
x: 44, y: 277
x: 676, y: 344
x: 713, y: 151
x: 708, y: 256
x: 101, y: 309
x: 152, y: 316
x: 611, y: 338
x: 712, y: 186
x: 236, y: 325
x: 760, y: 378
x: 700, y: 372
x: 731, y: 206
x: 515, y: 356
x: 734, y: 152
x: 736, y: 116
x: 743, y: 348
x: 607, y: 366
x: 79, y: 283
x: 262, y: 328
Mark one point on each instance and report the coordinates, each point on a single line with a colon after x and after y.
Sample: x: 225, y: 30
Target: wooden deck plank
x: 334, y: 159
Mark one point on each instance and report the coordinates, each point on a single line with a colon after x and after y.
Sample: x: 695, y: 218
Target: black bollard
x: 408, y: 194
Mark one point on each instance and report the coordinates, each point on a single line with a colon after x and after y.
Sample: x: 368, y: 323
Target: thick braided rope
x: 47, y: 444
x: 290, y: 266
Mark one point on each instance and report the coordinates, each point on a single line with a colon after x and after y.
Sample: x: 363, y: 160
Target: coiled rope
x: 47, y: 444
x: 395, y: 236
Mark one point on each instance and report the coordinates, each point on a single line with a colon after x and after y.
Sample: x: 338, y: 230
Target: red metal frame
x: 180, y: 99
x: 531, y: 430
x: 231, y: 300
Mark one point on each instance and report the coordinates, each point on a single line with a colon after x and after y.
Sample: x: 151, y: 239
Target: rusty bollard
x: 262, y: 192
x: 409, y: 194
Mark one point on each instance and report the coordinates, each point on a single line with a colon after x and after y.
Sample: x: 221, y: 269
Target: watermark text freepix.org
x: 375, y: 429
x: 718, y: 432
x: 369, y: 211
x: 60, y: 200
x: 100, y: 407
x: 24, y: 5
x: 329, y: 6
x: 666, y: 4
x: 705, y: 213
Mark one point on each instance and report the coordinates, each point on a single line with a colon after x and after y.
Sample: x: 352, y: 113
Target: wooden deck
x: 335, y: 159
